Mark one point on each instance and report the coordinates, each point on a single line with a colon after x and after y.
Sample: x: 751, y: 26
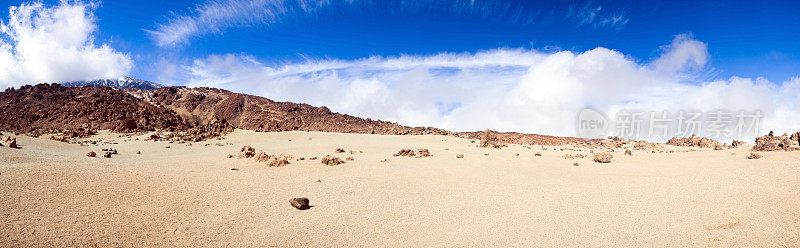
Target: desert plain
x: 156, y: 194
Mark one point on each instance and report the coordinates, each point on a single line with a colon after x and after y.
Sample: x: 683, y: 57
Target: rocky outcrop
x: 770, y: 142
x: 331, y: 160
x: 420, y: 153
x: 216, y: 128
x: 694, y: 141
x: 489, y: 139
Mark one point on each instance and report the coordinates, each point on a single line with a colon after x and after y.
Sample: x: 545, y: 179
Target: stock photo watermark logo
x: 717, y: 124
x: 592, y: 124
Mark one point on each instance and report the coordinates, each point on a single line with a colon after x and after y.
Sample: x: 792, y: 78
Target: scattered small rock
x: 603, y: 157
x: 754, y: 156
x: 91, y: 154
x: 538, y: 154
x: 107, y: 155
x: 261, y: 156
x: 8, y: 141
x: 246, y: 152
x: 331, y: 160
x: 299, y: 203
x: 405, y: 153
x: 339, y: 150
x: 424, y: 153
x: 628, y: 152
x: 234, y: 169
x: 278, y: 162
x: 575, y: 164
x: 349, y: 159
x: 460, y: 156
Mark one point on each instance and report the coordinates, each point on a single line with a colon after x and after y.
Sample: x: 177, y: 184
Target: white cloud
x: 216, y: 16
x: 52, y: 44
x: 593, y: 15
x: 685, y: 53
x: 503, y: 89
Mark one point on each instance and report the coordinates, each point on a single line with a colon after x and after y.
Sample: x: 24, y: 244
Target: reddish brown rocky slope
x: 51, y: 106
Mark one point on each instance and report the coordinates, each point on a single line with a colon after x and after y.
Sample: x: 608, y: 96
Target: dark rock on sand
x: 300, y: 203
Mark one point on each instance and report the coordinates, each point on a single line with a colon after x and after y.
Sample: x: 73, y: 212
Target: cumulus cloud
x: 504, y: 89
x: 41, y: 43
x: 685, y: 53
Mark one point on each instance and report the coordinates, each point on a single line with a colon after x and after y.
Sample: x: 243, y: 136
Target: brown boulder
x: 423, y: 153
x: 91, y: 154
x: 261, y: 156
x: 405, y: 153
x: 246, y: 152
x: 299, y: 203
x: 603, y: 157
x: 331, y: 160
x: 278, y: 162
x: 8, y: 141
x: 754, y: 156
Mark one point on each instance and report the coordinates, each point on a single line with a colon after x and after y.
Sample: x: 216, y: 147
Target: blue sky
x: 745, y: 38
x: 463, y: 65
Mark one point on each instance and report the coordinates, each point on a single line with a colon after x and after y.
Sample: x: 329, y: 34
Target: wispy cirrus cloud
x: 594, y: 15
x: 216, y: 16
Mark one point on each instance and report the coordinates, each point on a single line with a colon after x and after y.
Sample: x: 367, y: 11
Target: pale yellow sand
x: 51, y: 194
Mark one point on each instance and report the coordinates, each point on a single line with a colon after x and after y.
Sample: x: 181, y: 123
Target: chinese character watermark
x: 717, y: 124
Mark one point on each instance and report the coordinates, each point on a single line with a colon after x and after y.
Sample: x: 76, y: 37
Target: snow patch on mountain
x: 121, y: 83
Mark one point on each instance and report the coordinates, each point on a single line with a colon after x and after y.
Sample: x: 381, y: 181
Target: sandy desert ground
x: 51, y: 194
